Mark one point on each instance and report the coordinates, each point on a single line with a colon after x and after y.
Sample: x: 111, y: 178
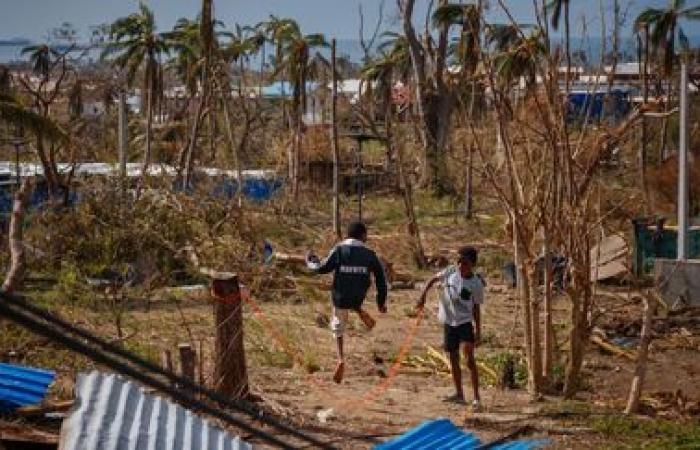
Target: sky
x: 335, y: 18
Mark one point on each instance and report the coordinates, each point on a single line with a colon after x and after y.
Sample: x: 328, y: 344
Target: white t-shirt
x: 458, y: 297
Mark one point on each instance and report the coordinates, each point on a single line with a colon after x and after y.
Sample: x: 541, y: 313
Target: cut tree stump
x: 230, y: 370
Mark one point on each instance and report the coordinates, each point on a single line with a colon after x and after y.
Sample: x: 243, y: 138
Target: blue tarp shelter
x: 441, y: 434
x: 598, y: 105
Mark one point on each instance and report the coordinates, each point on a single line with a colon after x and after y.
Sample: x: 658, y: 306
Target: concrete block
x: 678, y: 282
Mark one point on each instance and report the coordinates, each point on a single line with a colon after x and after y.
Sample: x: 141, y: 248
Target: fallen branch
x: 600, y: 342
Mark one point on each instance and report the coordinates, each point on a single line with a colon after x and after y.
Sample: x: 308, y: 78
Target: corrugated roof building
x: 114, y: 414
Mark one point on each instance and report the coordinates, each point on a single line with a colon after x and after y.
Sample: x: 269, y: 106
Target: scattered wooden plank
x: 600, y: 342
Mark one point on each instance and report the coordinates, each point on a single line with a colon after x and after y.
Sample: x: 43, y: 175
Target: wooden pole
x: 166, y: 359
x: 335, y: 145
x: 230, y: 370
x: 187, y: 361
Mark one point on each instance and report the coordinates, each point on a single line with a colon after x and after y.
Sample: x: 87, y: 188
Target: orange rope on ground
x: 378, y: 390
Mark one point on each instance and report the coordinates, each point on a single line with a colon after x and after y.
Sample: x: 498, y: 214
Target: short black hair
x: 469, y: 253
x: 357, y: 230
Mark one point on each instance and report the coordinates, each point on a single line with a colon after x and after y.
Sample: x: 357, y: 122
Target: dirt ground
x: 387, y: 390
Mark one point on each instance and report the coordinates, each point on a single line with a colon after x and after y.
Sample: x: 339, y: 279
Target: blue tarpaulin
x: 599, y: 105
x: 442, y: 434
x: 22, y: 386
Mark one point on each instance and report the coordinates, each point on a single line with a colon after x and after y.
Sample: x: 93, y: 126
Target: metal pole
x: 683, y: 167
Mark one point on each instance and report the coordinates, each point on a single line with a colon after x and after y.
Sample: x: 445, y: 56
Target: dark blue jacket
x: 352, y: 264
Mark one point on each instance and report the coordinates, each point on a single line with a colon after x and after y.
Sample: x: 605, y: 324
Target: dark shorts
x: 455, y: 335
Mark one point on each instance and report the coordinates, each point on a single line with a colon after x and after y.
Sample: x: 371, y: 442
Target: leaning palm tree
x: 521, y: 58
x: 293, y: 57
x: 665, y: 28
x: 135, y: 45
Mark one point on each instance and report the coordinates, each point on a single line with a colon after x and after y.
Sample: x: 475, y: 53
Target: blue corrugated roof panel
x: 22, y: 386
x: 441, y: 434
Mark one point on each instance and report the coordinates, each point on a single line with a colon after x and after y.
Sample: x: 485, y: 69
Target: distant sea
x: 351, y: 49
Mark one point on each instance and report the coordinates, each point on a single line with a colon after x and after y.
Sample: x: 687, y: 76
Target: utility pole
x: 683, y: 167
x: 335, y: 145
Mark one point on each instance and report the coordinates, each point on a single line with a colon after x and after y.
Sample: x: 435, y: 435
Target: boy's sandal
x: 454, y: 399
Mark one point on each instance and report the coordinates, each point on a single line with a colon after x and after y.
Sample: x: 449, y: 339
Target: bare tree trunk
x: 187, y: 156
x: 335, y: 145
x: 13, y: 279
x: 548, y: 353
x: 407, y: 195
x: 536, y: 365
x: 468, y: 191
x: 149, y: 125
x: 123, y: 137
x: 642, y: 356
x: 523, y: 282
x: 235, y: 150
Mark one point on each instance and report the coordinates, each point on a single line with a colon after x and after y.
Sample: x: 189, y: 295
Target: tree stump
x: 230, y: 371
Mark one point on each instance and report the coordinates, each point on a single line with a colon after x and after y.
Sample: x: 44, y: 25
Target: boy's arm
x: 477, y: 322
x: 478, y: 300
x: 424, y: 294
x: 328, y: 265
x: 380, y: 282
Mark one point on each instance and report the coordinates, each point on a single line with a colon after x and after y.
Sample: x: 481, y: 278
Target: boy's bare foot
x: 367, y: 319
x: 338, y: 374
x: 456, y: 398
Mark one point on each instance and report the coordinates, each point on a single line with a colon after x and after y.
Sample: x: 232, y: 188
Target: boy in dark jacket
x: 351, y: 263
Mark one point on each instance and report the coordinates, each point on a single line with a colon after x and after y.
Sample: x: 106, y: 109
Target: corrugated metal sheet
x: 22, y: 386
x: 442, y: 434
x: 114, y: 414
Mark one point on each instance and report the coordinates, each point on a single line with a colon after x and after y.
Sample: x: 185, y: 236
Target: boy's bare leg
x: 473, y: 371
x: 340, y: 367
x: 339, y: 349
x: 456, y: 373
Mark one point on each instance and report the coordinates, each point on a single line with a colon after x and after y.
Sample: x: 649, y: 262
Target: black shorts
x: 455, y: 335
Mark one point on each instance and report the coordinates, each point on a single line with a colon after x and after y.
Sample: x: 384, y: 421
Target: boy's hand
x: 311, y: 257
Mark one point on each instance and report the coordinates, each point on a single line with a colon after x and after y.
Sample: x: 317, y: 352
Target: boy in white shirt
x: 459, y: 311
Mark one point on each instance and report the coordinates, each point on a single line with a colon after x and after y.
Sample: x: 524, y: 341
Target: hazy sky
x: 335, y: 18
